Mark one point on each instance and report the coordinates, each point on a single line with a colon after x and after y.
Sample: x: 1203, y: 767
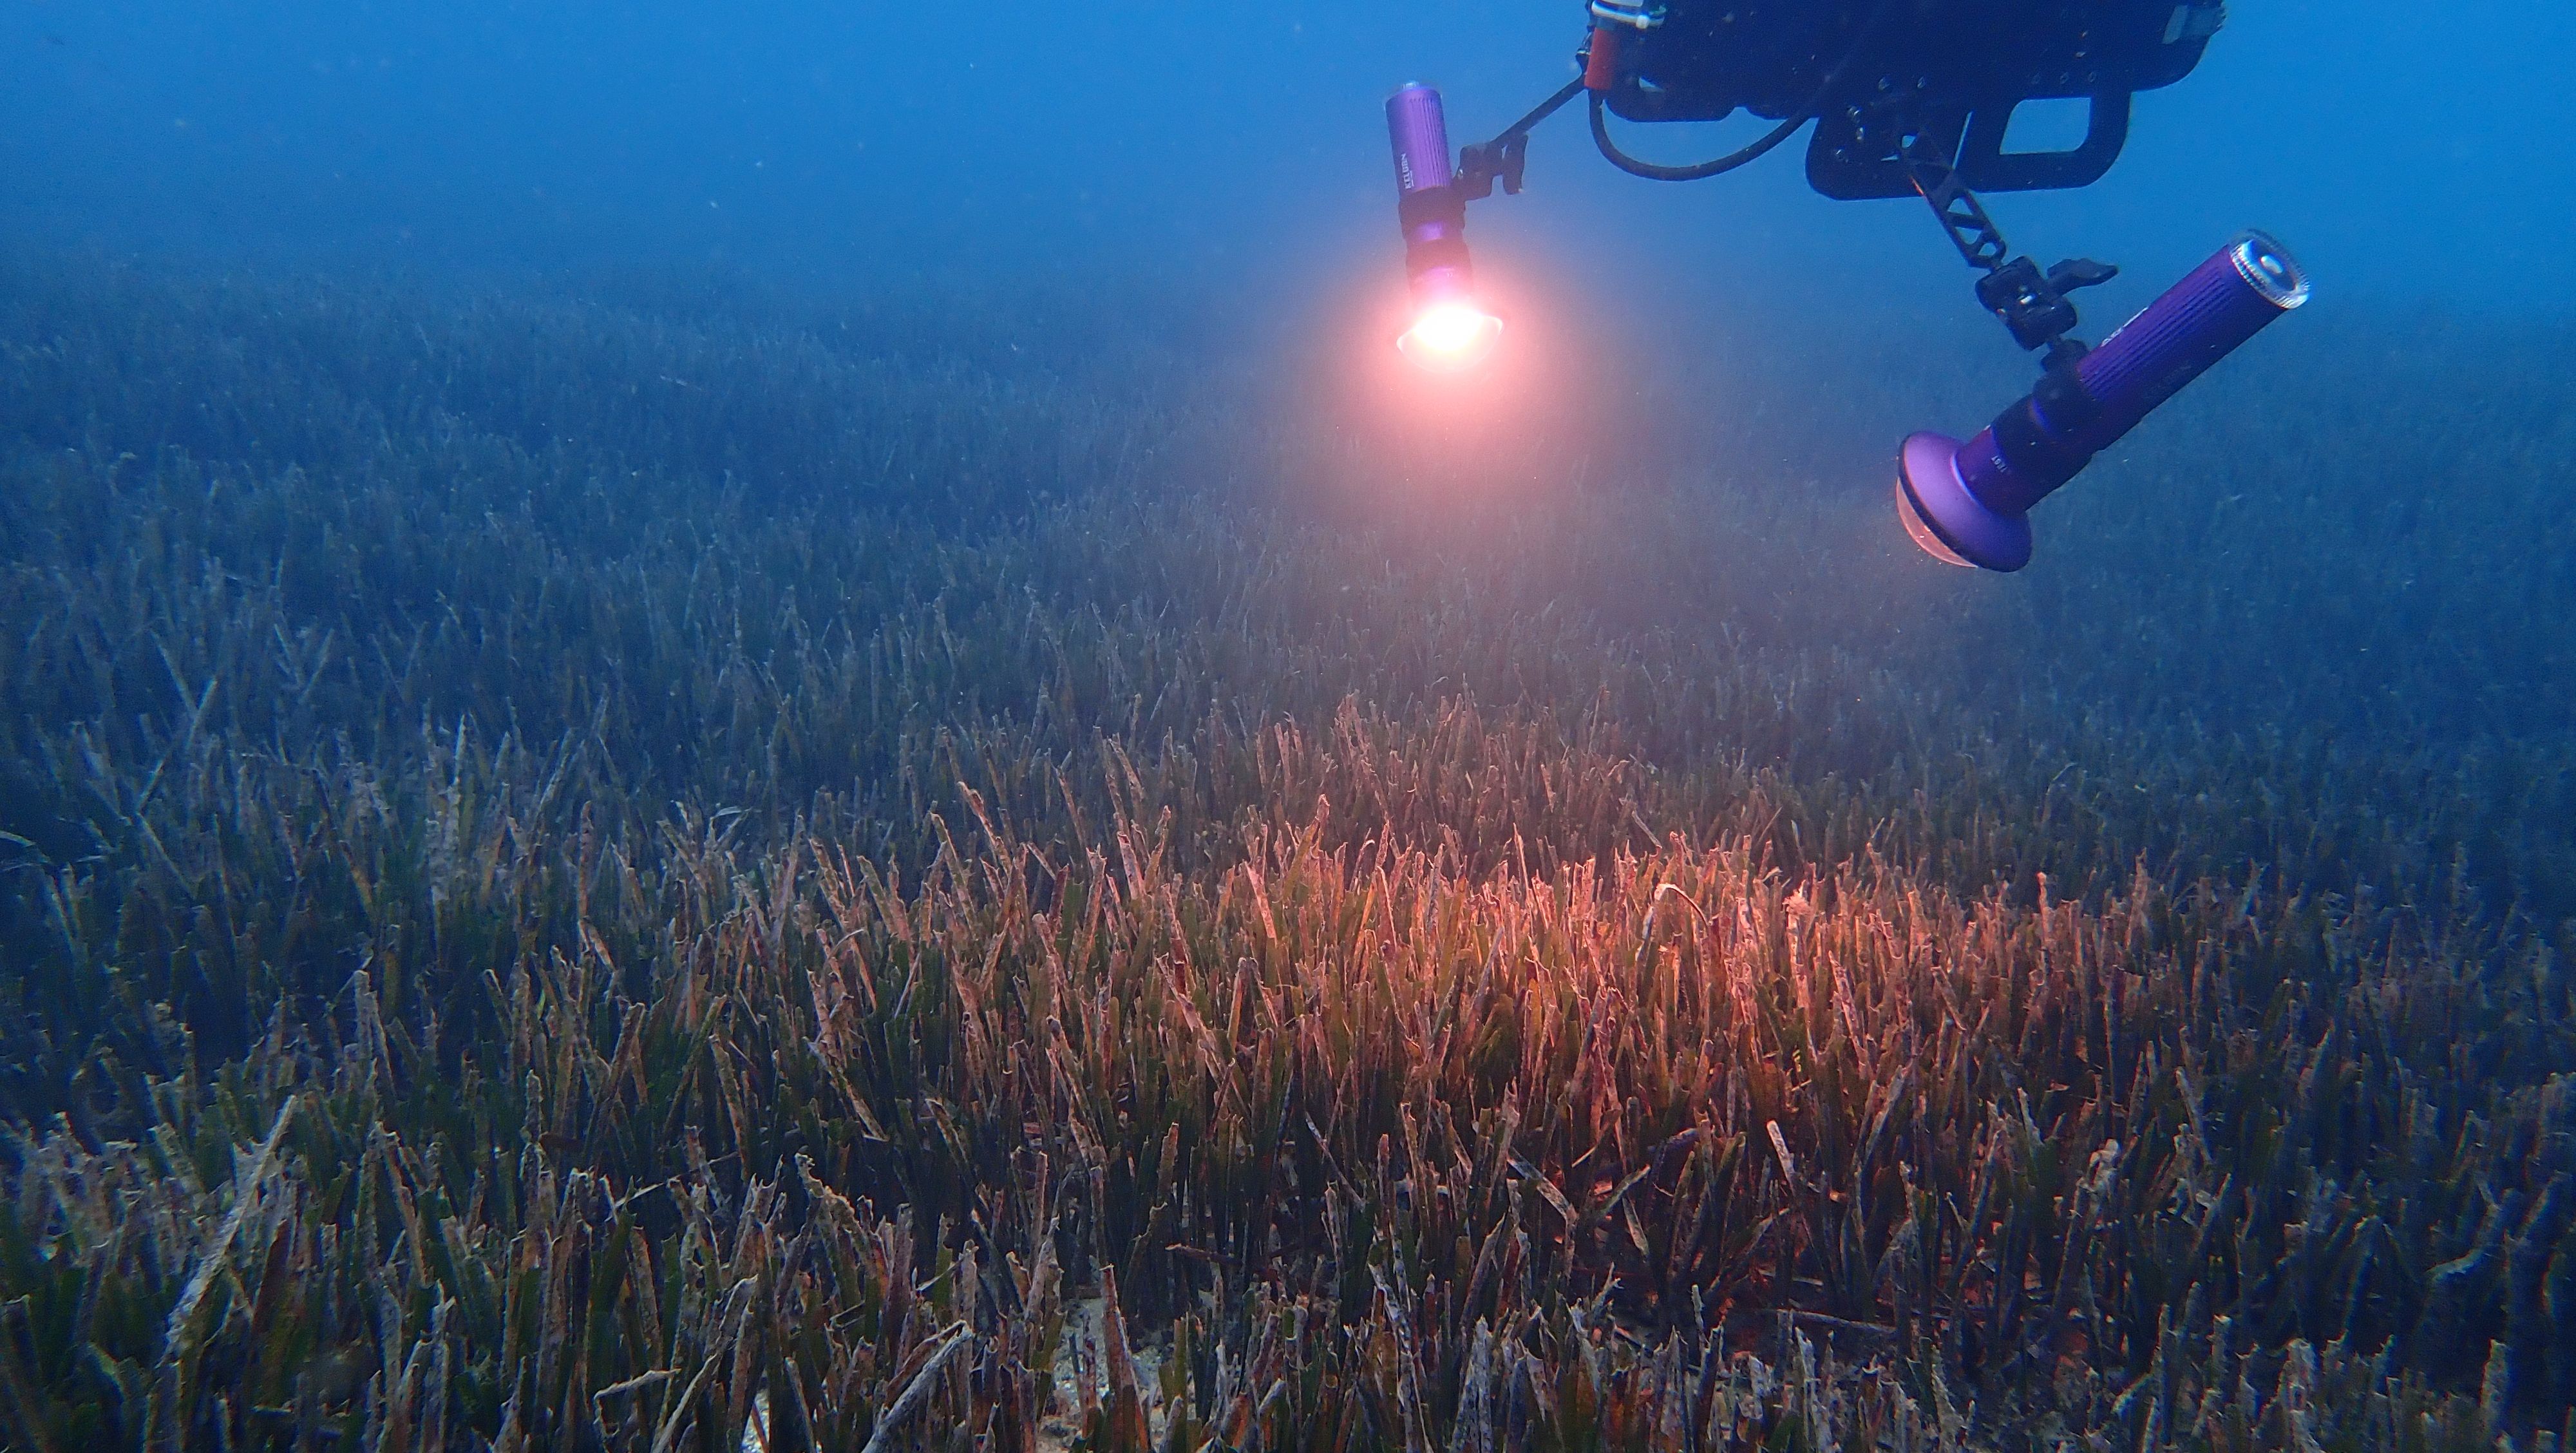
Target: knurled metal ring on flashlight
x: 2268, y: 269
x: 1635, y: 16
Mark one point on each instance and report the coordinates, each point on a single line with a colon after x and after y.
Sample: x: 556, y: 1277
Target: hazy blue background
x: 2410, y: 153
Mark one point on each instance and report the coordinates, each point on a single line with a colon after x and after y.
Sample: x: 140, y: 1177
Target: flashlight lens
x: 1451, y: 337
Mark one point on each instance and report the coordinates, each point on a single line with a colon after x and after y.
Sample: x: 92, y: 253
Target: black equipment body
x: 1944, y: 72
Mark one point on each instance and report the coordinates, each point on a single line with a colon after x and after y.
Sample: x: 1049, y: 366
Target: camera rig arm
x: 2032, y: 305
x: 1503, y: 159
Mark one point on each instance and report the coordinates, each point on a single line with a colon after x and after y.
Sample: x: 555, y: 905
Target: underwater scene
x: 844, y: 730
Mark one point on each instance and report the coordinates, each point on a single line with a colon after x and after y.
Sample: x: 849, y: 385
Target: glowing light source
x: 1451, y: 337
x: 1451, y: 333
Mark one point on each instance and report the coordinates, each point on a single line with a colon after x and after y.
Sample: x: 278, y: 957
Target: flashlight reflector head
x: 1451, y: 336
x: 1950, y: 523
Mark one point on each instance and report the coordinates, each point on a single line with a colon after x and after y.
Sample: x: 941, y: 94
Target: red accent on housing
x: 1601, y: 71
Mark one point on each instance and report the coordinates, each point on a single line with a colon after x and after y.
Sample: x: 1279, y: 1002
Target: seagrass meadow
x: 642, y: 867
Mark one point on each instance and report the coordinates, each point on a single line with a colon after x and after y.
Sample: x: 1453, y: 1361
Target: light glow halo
x: 1451, y: 337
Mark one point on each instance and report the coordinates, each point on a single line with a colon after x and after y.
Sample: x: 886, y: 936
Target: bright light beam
x: 1451, y: 337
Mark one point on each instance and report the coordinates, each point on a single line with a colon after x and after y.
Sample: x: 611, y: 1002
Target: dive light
x: 1451, y: 331
x: 1969, y: 503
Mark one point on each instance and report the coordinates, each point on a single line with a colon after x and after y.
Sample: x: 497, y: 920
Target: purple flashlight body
x: 1428, y: 205
x: 1419, y: 131
x: 2027, y: 454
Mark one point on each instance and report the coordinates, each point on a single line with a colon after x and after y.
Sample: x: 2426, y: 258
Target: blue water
x: 2412, y: 154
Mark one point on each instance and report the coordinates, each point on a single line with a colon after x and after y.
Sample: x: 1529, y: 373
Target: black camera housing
x: 1948, y: 71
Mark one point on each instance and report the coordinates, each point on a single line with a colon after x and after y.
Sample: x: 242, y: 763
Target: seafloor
x: 642, y: 866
